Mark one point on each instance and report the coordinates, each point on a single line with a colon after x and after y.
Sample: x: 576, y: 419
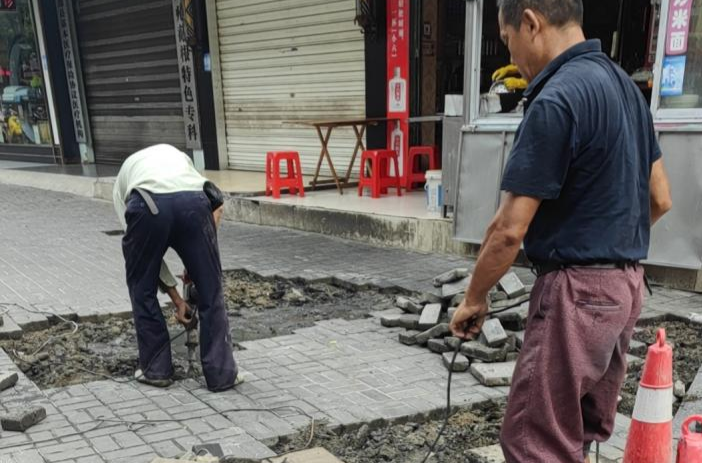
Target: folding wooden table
x: 359, y: 126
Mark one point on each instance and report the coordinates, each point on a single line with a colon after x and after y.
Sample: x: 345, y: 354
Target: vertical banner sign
x: 674, y: 65
x: 72, y: 76
x: 397, y: 74
x: 186, y: 69
x: 677, y: 25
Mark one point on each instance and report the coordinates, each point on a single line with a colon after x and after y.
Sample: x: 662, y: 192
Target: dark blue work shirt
x: 585, y: 147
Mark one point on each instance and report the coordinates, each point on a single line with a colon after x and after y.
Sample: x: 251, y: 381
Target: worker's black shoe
x: 237, y: 381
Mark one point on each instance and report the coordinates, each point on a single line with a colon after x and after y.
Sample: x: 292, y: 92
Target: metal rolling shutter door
x: 286, y: 60
x: 130, y: 69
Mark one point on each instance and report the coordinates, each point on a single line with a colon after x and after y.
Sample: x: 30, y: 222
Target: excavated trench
x: 257, y: 307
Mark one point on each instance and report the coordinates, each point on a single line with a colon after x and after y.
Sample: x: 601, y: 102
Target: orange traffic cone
x: 691, y: 444
x: 649, y: 439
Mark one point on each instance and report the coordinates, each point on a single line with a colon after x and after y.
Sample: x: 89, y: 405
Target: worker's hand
x: 468, y: 320
x: 183, y: 313
x: 217, y: 215
x: 505, y: 71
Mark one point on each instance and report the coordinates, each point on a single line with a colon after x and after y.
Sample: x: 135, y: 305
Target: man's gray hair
x: 557, y: 12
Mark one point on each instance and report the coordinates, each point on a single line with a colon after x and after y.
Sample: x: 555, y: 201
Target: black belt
x: 548, y: 267
x: 543, y: 269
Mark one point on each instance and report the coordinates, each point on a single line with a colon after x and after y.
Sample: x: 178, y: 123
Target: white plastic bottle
x: 397, y: 92
x: 397, y: 145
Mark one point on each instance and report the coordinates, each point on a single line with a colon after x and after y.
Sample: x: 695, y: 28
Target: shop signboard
x: 72, y: 74
x: 677, y: 25
x: 397, y: 72
x: 183, y: 21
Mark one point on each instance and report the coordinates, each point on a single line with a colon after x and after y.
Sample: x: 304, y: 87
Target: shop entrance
x: 627, y: 30
x: 437, y: 50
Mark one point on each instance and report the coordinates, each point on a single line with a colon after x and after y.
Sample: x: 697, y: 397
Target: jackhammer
x: 190, y: 294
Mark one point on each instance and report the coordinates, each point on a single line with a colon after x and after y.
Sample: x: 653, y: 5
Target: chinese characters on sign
x: 674, y: 66
x: 397, y: 72
x: 182, y: 20
x: 677, y: 27
x: 72, y: 77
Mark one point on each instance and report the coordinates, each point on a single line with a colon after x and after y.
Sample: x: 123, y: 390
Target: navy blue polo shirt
x: 585, y: 147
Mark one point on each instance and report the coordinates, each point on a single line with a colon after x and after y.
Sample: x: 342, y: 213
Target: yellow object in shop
x: 515, y: 83
x: 505, y: 71
x: 14, y: 126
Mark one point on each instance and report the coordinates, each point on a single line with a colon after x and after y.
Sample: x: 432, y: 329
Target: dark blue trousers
x: 184, y: 223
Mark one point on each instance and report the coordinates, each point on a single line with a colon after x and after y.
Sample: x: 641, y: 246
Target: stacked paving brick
x: 490, y: 358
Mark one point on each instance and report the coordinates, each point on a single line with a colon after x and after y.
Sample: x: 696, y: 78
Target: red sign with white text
x: 397, y: 73
x: 677, y: 26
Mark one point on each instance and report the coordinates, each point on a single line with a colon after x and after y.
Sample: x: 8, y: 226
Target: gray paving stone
x: 492, y: 333
x: 409, y: 321
x: 493, y: 374
x: 452, y: 341
x: 408, y: 305
x: 510, y: 302
x: 430, y: 316
x: 408, y: 337
x: 479, y: 351
x: 22, y: 418
x: 633, y: 361
x: 490, y: 454
x: 637, y: 348
x: 7, y: 380
x: 450, y: 290
x: 461, y: 363
x: 515, y: 319
x: 691, y: 405
x: 511, y: 285
x: 437, y: 331
x: 438, y: 346
x: 450, y: 276
x: 390, y: 321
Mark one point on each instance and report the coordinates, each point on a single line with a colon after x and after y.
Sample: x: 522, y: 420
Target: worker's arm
x: 659, y: 192
x: 498, y: 252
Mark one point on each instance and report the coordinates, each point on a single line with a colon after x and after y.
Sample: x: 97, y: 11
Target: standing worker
x: 163, y: 202
x: 583, y: 185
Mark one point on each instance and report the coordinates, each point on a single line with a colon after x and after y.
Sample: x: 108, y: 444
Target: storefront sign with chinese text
x: 677, y: 25
x: 65, y: 13
x: 397, y: 72
x: 186, y: 69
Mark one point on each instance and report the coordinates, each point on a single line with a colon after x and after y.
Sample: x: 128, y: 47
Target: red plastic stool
x: 416, y: 153
x: 380, y: 179
x: 294, y: 178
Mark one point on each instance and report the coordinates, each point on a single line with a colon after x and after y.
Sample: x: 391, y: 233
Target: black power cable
x: 447, y: 412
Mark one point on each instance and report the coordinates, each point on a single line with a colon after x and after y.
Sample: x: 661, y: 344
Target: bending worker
x: 583, y: 185
x: 163, y: 202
